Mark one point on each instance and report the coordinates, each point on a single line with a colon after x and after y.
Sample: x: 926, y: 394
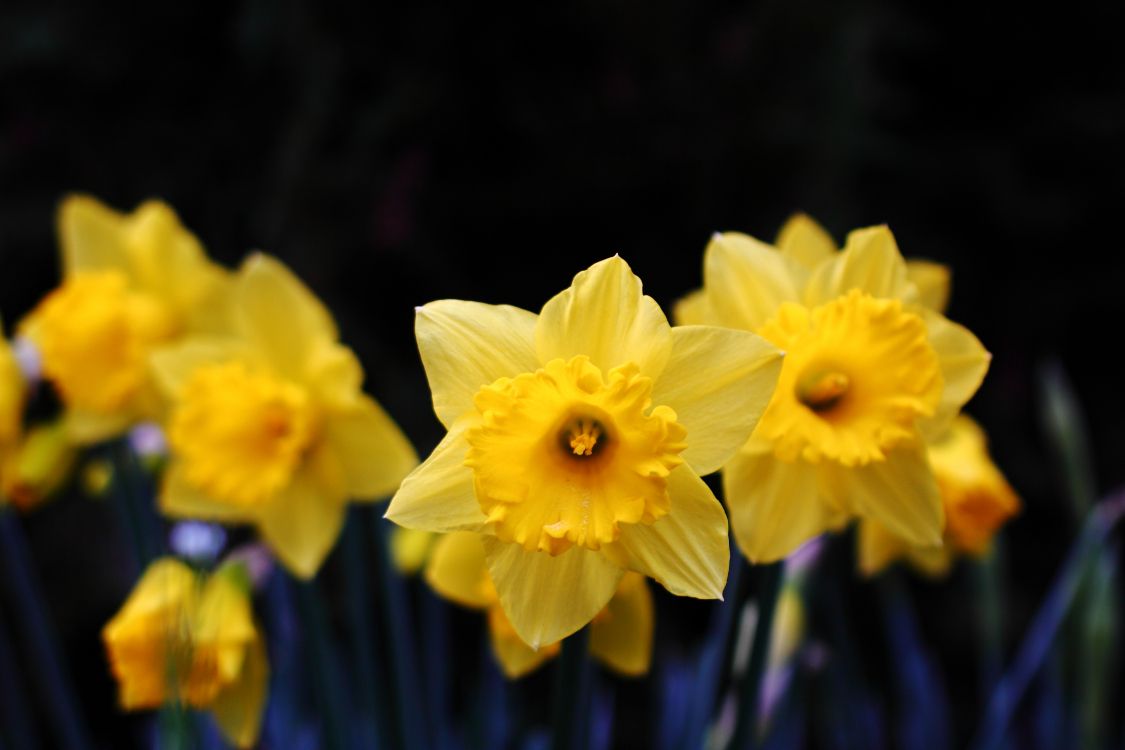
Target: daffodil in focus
x: 269, y: 425
x: 576, y: 441
x: 620, y: 635
x: 132, y: 283
x: 192, y: 640
x: 870, y: 374
x: 977, y: 498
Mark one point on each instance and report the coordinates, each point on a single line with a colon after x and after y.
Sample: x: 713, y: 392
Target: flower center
x: 94, y: 335
x: 858, y: 374
x: 562, y: 456
x: 240, y: 434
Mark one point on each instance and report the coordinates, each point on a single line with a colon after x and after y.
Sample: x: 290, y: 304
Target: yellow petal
x: 87, y: 427
x: 805, y: 241
x: 775, y: 506
x: 278, y: 314
x: 877, y: 547
x: 687, y: 550
x: 622, y: 639
x: 547, y: 597
x: 457, y: 569
x: 747, y: 280
x: 932, y: 562
x: 411, y: 549
x: 373, y: 452
x: 516, y: 657
x: 302, y: 523
x: 932, y: 281
x: 963, y: 361
x: 605, y: 316
x: 467, y: 345
x: 439, y: 495
x: 692, y: 310
x: 180, y: 499
x: 238, y: 709
x: 870, y: 262
x: 718, y: 381
x: 900, y: 493
x: 173, y: 365
x: 91, y: 236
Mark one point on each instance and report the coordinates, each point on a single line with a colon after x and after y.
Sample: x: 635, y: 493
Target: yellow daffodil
x: 181, y: 638
x: 576, y: 441
x: 37, y: 466
x: 411, y: 549
x: 870, y: 374
x: 269, y: 426
x: 977, y: 499
x: 12, y: 396
x: 131, y: 285
x: 620, y: 635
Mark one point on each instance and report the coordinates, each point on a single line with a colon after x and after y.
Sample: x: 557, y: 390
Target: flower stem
x: 38, y: 634
x: 769, y: 586
x: 369, y: 693
x: 134, y: 505
x: 17, y: 718
x: 322, y: 664
x: 572, y: 693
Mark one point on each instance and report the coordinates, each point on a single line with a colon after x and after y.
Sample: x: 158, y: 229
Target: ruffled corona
x: 562, y: 456
x: 859, y: 372
x: 240, y: 434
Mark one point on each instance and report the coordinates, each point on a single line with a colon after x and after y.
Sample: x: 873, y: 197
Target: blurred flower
x: 183, y: 638
x: 12, y: 395
x: 38, y: 465
x: 410, y: 549
x: 131, y: 284
x: 147, y: 440
x: 576, y: 441
x: 197, y: 541
x: 269, y: 425
x: 977, y: 499
x: 870, y: 374
x: 620, y: 635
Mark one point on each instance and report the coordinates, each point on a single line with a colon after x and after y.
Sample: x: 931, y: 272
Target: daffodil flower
x: 182, y: 638
x: 620, y: 635
x: 977, y: 499
x: 269, y: 425
x: 576, y: 441
x: 131, y: 285
x: 12, y: 397
x: 870, y: 374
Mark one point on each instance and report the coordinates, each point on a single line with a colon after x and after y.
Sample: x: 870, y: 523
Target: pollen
x: 564, y: 455
x: 240, y: 434
x: 823, y: 390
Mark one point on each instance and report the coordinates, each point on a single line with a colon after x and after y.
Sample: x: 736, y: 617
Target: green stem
x: 746, y: 725
x: 177, y: 728
x: 322, y: 664
x: 134, y: 505
x: 988, y: 579
x: 572, y: 693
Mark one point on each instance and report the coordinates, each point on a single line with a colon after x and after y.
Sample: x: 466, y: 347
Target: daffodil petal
x: 457, y: 569
x: 302, y: 523
x: 774, y: 505
x: 687, y: 550
x: 900, y: 492
x: 870, y: 262
x: 963, y: 361
x: 516, y: 658
x: 932, y: 280
x: 605, y: 316
x: 547, y: 597
x: 805, y: 241
x: 91, y: 236
x: 278, y: 314
x: 747, y: 280
x: 877, y: 548
x: 692, y: 309
x: 373, y: 452
x: 87, y: 427
x: 467, y: 345
x: 238, y: 710
x: 439, y: 495
x: 623, y: 639
x: 180, y: 499
x: 718, y: 381
x: 173, y: 365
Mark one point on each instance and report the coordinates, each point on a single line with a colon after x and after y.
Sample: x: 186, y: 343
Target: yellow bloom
x: 132, y: 284
x: 12, y: 396
x: 870, y: 374
x: 977, y: 499
x: 410, y: 549
x: 185, y: 639
x: 620, y: 635
x: 576, y: 441
x: 37, y: 466
x: 269, y: 426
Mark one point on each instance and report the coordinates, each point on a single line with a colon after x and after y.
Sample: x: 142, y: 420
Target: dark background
x: 396, y: 155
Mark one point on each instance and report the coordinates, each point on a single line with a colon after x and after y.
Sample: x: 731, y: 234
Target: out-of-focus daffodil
x: 576, y: 441
x: 620, y: 635
x: 38, y: 465
x: 410, y: 549
x: 870, y: 374
x: 182, y: 638
x: 131, y: 285
x: 269, y: 425
x: 978, y: 500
